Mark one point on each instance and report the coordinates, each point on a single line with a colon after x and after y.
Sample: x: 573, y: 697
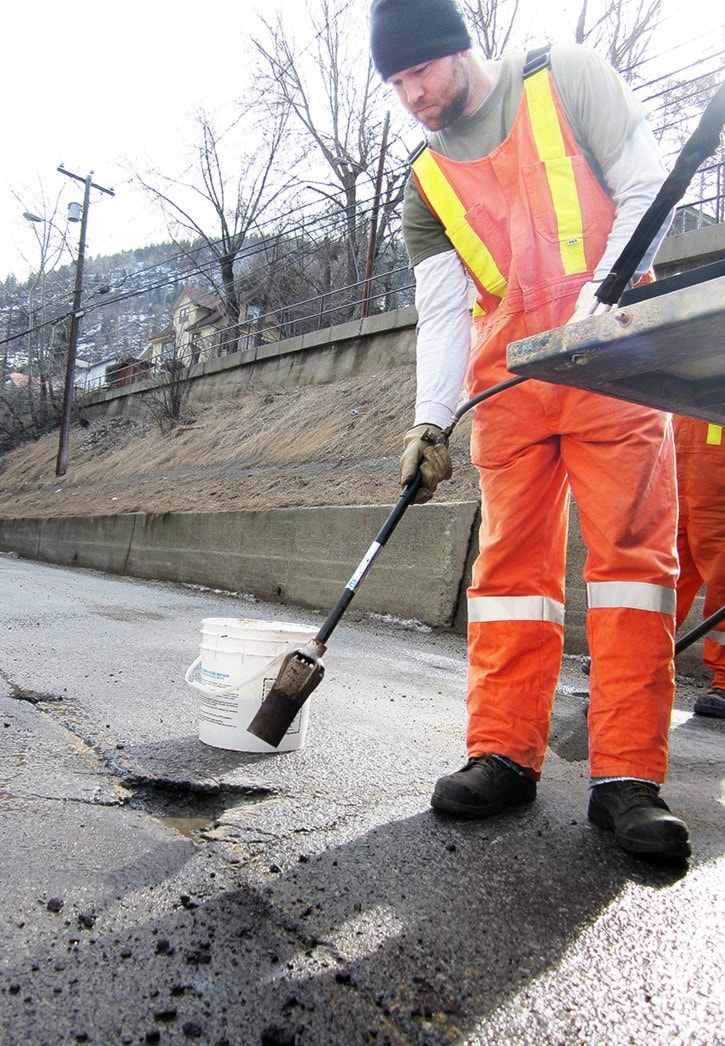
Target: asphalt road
x: 156, y: 889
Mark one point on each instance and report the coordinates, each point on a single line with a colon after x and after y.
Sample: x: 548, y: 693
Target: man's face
x: 436, y: 93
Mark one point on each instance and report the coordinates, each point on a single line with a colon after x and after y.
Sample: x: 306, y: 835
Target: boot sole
x: 474, y: 813
x: 639, y: 848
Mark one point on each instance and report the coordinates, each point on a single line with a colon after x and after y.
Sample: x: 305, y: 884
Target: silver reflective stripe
x: 515, y: 608
x: 717, y: 637
x: 634, y: 595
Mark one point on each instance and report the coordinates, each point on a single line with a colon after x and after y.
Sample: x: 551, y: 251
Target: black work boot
x: 641, y: 821
x: 711, y: 704
x: 485, y: 786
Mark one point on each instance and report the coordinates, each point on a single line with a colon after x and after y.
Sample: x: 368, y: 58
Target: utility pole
x: 374, y: 222
x: 60, y: 467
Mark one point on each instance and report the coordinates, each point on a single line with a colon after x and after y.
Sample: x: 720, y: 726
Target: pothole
x: 190, y: 806
x: 186, y: 805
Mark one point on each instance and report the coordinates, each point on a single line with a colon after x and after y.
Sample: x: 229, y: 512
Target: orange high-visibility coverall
x: 530, y: 222
x: 700, y: 450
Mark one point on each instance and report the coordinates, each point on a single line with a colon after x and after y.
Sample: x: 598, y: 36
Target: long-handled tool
x: 302, y: 670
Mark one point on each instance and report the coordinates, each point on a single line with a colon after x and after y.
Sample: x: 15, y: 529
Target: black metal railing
x: 704, y: 203
x: 392, y: 290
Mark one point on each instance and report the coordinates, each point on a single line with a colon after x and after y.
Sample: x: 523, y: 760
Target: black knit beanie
x: 409, y: 32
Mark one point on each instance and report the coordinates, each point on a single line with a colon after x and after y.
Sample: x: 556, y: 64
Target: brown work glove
x: 423, y: 451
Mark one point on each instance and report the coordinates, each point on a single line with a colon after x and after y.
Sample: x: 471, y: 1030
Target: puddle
x: 187, y: 826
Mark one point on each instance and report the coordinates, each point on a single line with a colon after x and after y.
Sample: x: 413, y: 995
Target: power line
x: 308, y: 221
x: 322, y: 227
x: 204, y: 269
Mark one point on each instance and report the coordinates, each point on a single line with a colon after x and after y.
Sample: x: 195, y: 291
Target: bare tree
x: 673, y: 119
x: 45, y: 303
x: 233, y: 189
x: 337, y: 104
x: 621, y: 32
x: 168, y: 402
x: 493, y: 23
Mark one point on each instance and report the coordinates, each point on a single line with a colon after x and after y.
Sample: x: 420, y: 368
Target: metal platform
x: 665, y: 351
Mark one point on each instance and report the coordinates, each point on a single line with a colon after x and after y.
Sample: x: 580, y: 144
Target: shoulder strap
x: 537, y: 60
x: 420, y: 147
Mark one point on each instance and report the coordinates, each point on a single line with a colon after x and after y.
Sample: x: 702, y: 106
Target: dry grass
x: 330, y: 444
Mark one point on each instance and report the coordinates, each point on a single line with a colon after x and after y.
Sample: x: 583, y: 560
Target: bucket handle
x: 214, y: 691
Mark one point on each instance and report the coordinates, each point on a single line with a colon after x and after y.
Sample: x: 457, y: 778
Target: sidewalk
x: 159, y: 890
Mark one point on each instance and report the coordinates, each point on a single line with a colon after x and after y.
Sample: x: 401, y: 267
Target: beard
x: 453, y: 107
x: 453, y: 110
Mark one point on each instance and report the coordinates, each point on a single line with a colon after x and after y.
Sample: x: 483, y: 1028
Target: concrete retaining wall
x: 375, y: 344
x: 690, y: 250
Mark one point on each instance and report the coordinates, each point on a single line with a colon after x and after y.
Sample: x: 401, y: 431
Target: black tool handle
x: 407, y: 497
x: 702, y: 143
x: 699, y: 630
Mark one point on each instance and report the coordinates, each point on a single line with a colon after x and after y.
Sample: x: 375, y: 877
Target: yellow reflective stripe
x: 714, y: 435
x: 515, y: 608
x: 632, y: 595
x: 559, y: 171
x: 472, y: 250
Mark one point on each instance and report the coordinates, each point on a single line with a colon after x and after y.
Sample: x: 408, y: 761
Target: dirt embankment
x: 335, y: 444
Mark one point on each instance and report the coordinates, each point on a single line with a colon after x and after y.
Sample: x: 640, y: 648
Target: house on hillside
x: 200, y: 330
x: 110, y: 373
x: 89, y: 376
x: 126, y: 372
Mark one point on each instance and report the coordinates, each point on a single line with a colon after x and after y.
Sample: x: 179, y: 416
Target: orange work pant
x: 533, y: 444
x: 701, y: 529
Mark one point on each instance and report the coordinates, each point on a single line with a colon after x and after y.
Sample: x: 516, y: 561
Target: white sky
x: 108, y: 89
x: 112, y: 90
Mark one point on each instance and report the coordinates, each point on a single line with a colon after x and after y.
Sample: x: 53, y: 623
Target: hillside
x: 335, y: 444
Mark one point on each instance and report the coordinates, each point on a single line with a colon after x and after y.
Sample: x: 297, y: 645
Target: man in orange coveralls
x: 536, y: 172
x: 700, y: 451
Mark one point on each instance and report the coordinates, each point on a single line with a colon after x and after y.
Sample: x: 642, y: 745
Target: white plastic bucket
x: 238, y: 664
